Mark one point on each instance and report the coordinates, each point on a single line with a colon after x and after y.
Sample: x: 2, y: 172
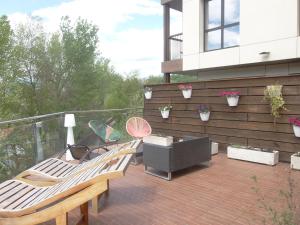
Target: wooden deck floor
x: 219, y: 195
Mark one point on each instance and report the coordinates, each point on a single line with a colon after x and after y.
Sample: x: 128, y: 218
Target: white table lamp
x: 70, y: 123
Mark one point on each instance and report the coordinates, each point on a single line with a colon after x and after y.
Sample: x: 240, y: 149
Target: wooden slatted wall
x: 250, y: 123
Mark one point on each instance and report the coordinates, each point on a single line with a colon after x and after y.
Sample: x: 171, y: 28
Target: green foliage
x: 43, y: 73
x: 285, y: 213
x: 273, y: 94
x: 165, y: 108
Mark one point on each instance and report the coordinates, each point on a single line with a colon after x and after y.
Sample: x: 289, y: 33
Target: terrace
x: 219, y: 194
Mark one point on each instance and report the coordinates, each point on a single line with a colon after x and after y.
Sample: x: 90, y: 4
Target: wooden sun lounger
x: 25, y: 204
x: 55, y: 170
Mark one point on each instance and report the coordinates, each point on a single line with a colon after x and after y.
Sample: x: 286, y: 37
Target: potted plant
x: 148, y: 92
x: 165, y: 111
x: 296, y: 125
x: 257, y: 155
x: 186, y: 90
x: 232, y: 97
x: 295, y: 161
x: 204, y: 112
x: 273, y: 94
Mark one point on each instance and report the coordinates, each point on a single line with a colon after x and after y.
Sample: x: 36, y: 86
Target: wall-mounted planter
x: 251, y: 155
x: 148, y: 94
x: 295, y: 161
x: 204, y: 116
x: 296, y: 125
x: 232, y: 97
x: 186, y: 90
x: 214, y: 148
x: 187, y: 93
x: 165, y: 114
x: 233, y: 100
x: 296, y: 130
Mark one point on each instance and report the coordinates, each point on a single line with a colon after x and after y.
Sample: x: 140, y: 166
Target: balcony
x: 176, y: 46
x: 25, y: 142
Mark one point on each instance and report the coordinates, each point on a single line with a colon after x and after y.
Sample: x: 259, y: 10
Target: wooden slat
x: 250, y: 120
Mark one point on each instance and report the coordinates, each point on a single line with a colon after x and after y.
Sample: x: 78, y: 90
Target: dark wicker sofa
x: 180, y: 155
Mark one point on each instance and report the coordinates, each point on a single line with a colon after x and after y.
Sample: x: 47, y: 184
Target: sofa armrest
x: 157, y: 156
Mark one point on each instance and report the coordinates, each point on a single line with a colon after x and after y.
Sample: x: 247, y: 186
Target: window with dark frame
x: 222, y: 24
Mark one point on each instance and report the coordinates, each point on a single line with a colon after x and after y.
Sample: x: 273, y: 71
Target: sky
x: 130, y: 31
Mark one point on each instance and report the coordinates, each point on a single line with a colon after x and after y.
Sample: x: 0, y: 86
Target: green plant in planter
x: 165, y: 108
x: 273, y: 94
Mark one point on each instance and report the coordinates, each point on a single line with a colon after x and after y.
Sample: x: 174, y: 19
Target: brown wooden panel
x: 244, y: 100
x: 250, y: 123
x: 268, y: 136
x: 228, y: 139
x: 258, y: 117
x: 174, y: 86
x: 215, y: 92
x: 254, y: 82
x: 287, y: 90
x: 178, y: 127
x: 275, y: 145
x: 284, y: 128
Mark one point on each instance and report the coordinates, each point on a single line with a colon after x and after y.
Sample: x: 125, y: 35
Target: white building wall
x: 265, y: 26
x: 191, y: 33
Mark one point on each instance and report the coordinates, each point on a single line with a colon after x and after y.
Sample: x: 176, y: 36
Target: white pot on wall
x: 233, y: 100
x: 187, y: 93
x: 296, y: 130
x: 165, y: 114
x: 204, y: 116
x: 295, y: 161
x: 268, y: 158
x: 148, y: 94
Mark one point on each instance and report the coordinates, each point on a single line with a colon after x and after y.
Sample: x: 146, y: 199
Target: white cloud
x: 129, y: 50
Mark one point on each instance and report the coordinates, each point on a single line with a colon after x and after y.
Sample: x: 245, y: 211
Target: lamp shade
x: 70, y: 120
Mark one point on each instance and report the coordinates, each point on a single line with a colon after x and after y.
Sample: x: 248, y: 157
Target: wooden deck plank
x: 218, y: 195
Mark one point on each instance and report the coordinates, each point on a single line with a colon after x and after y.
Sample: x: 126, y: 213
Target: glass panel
x: 232, y: 11
x: 213, y: 14
x: 231, y: 36
x: 24, y: 144
x: 213, y: 40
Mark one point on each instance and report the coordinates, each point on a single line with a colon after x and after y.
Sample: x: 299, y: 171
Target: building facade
x: 232, y: 38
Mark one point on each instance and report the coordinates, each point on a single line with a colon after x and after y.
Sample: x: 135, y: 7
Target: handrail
x: 34, y: 118
x: 174, y: 37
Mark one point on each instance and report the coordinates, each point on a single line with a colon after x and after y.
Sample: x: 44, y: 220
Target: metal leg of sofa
x: 207, y: 163
x: 168, y: 177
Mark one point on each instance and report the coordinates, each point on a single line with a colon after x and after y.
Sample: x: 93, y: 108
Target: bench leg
x: 84, y: 209
x: 95, y: 204
x: 62, y: 219
x: 107, y: 191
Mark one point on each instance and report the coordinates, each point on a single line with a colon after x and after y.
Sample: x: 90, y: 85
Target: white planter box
x: 233, y: 100
x: 214, y: 148
x: 158, y: 140
x: 187, y: 93
x: 165, y: 114
x: 268, y: 158
x: 296, y: 130
x: 204, y: 116
x: 295, y: 162
x: 148, y: 94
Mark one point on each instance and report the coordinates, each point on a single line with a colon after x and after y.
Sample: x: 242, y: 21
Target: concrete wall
x: 265, y: 26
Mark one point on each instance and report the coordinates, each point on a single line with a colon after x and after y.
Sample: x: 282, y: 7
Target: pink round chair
x: 138, y: 127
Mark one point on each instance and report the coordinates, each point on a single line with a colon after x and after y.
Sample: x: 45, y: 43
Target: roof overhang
x: 173, y: 4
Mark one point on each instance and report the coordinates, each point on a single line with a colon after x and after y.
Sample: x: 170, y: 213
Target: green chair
x: 106, y: 134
